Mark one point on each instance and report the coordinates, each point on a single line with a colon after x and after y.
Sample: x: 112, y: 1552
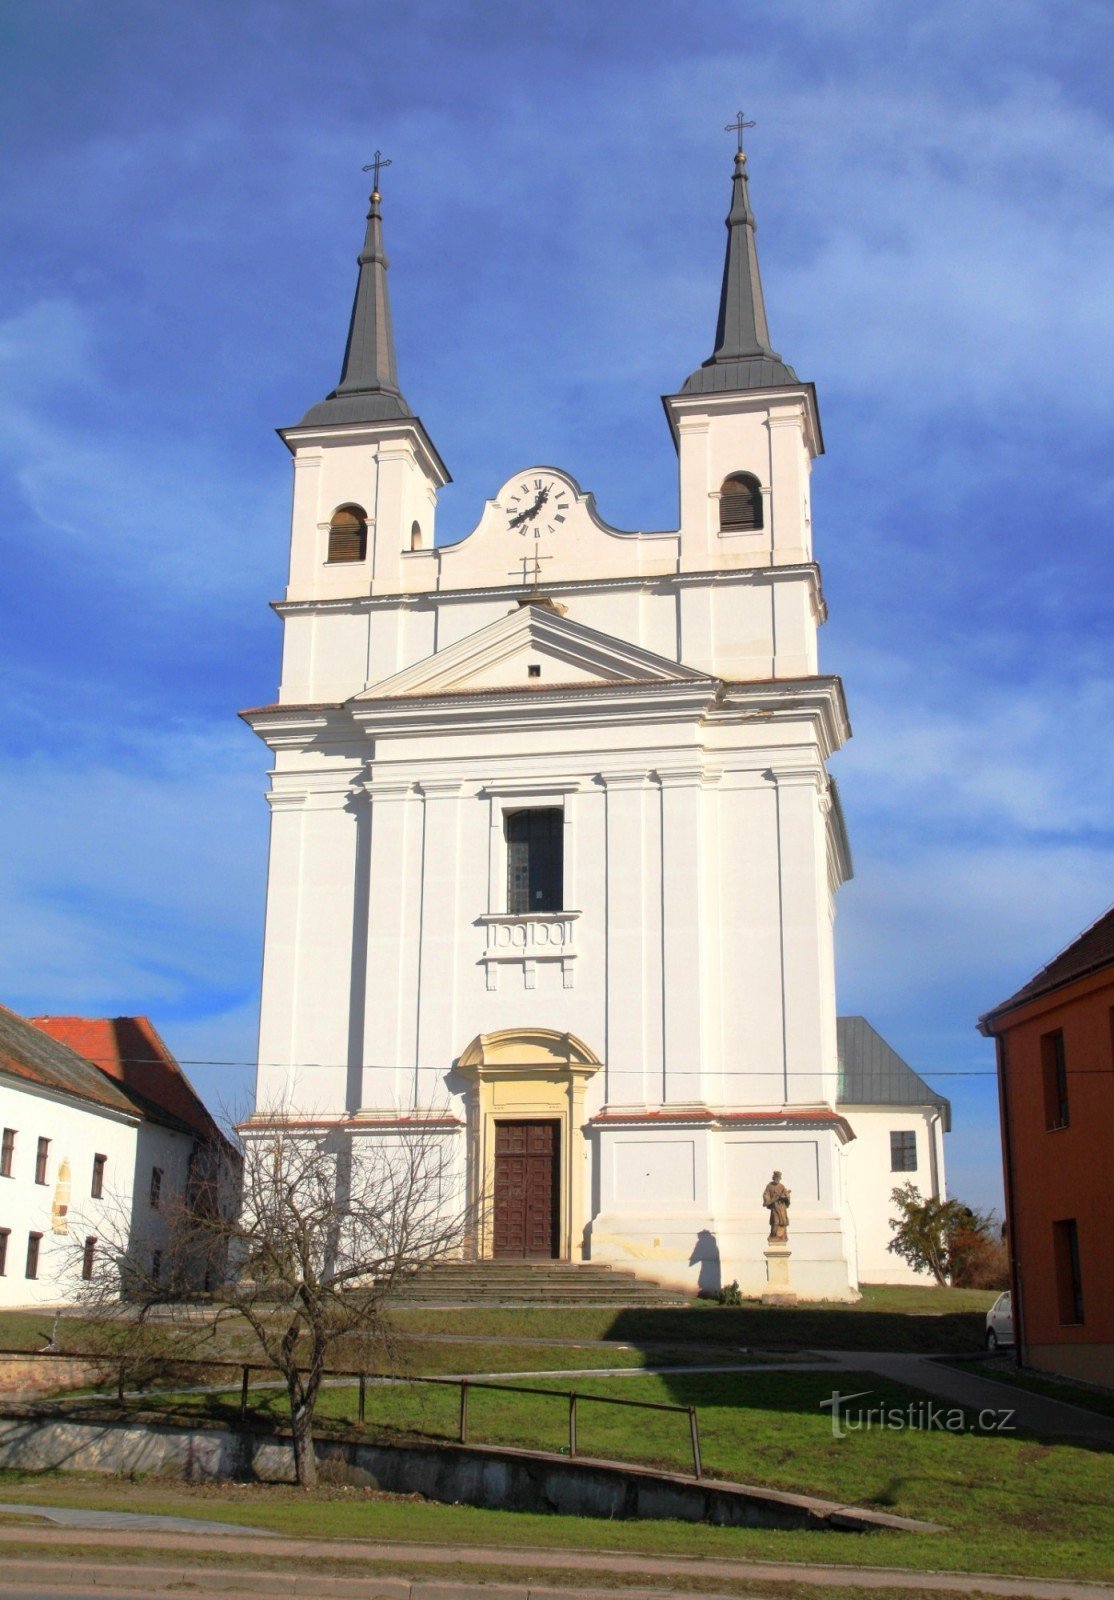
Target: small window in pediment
x: 740, y: 503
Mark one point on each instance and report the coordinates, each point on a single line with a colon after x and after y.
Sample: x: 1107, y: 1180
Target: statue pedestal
x: 778, y: 1292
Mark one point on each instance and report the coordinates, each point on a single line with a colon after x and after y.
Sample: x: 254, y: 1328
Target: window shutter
x: 740, y: 504
x: 347, y: 536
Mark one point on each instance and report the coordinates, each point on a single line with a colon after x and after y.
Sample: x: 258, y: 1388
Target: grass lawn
x: 1010, y: 1504
x: 950, y: 1321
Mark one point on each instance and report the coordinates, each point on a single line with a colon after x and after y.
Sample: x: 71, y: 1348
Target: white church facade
x: 554, y: 849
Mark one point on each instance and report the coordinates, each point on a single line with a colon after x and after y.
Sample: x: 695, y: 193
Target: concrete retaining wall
x: 478, y: 1475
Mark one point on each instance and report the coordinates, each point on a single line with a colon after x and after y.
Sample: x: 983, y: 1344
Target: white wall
x: 870, y: 1182
x: 77, y: 1132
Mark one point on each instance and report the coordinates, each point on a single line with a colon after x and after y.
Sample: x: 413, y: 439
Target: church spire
x: 368, y: 390
x: 743, y: 357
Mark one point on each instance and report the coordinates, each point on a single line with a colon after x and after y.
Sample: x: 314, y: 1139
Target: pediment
x: 500, y: 656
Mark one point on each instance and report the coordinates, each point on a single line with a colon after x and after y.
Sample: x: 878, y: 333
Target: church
x: 554, y: 849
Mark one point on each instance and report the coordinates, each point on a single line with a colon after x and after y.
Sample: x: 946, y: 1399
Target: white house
x: 899, y: 1125
x: 554, y: 849
x: 87, y: 1156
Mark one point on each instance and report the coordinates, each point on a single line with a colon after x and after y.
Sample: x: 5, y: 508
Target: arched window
x: 740, y: 503
x: 416, y: 536
x: 535, y: 859
x: 348, y: 534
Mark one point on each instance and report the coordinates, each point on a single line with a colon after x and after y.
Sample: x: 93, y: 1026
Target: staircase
x: 525, y: 1283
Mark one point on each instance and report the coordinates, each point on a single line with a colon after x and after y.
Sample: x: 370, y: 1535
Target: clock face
x: 537, y: 504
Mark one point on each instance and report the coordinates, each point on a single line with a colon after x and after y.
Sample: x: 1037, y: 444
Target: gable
x: 500, y: 655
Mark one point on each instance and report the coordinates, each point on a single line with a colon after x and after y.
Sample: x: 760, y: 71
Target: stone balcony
x: 527, y: 939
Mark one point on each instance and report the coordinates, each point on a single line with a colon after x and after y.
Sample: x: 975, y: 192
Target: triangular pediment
x: 501, y: 655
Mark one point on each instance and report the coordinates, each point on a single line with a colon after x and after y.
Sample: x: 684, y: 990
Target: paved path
x: 1032, y: 1413
x: 286, y: 1566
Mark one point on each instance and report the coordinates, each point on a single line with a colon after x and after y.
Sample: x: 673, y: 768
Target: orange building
x: 1055, y: 1043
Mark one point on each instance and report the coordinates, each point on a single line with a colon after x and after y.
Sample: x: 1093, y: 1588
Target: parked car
x: 999, y: 1322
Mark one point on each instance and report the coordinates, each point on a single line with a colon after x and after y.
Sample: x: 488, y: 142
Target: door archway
x: 526, y: 1076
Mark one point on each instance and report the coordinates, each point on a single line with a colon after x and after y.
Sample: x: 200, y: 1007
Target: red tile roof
x: 129, y: 1051
x: 27, y: 1053
x: 1092, y: 951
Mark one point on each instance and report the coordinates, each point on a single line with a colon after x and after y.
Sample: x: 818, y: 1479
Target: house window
x: 903, y: 1151
x: 5, y: 1235
x: 1054, y: 1074
x: 7, y: 1150
x: 740, y: 503
x: 97, y: 1188
x: 156, y: 1187
x: 1069, y: 1281
x: 88, y: 1257
x: 34, y: 1240
x: 535, y: 859
x: 348, y: 534
x: 156, y: 1266
x: 40, y: 1160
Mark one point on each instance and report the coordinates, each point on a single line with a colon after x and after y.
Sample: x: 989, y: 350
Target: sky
x: 182, y: 201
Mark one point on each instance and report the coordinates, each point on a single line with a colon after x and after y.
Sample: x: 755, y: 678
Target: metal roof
x: 368, y: 390
x: 743, y: 357
x: 871, y: 1073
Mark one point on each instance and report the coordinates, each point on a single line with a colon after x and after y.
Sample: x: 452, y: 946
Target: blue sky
x: 182, y: 202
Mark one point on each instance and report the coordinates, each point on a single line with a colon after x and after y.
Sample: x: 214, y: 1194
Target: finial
x: 736, y: 128
x: 383, y: 161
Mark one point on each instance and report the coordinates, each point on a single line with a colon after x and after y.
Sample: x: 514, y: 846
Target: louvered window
x: 535, y: 860
x: 740, y: 503
x: 348, y: 535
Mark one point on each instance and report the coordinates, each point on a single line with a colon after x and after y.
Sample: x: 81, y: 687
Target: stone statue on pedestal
x: 775, y: 1197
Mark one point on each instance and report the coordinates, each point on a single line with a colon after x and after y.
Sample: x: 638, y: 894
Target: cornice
x: 664, y: 581
x: 711, y: 1117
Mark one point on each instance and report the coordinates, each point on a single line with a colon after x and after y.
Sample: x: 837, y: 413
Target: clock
x: 537, y: 504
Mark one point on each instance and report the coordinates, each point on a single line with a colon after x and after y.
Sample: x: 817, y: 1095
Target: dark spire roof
x: 368, y: 390
x: 743, y: 357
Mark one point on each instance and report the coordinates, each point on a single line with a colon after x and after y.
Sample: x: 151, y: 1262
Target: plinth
x: 778, y: 1292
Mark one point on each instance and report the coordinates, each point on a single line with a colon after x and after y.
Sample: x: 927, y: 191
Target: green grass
x: 1009, y: 1504
x: 955, y: 1323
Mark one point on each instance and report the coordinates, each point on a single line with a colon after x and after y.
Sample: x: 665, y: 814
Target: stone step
x: 554, y: 1283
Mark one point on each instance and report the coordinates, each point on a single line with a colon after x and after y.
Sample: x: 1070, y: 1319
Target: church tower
x: 554, y: 857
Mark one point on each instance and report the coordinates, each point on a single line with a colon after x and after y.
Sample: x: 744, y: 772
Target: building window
x: 1069, y: 1282
x: 415, y: 536
x: 7, y: 1150
x: 740, y: 503
x: 533, y: 669
x: 535, y: 859
x: 34, y: 1240
x: 156, y: 1187
x: 5, y: 1235
x: 97, y: 1188
x: 40, y: 1160
x: 348, y: 534
x: 156, y: 1266
x: 88, y: 1257
x: 1054, y: 1073
x: 903, y: 1151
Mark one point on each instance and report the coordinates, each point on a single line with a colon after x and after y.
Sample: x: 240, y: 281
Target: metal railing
x: 170, y: 1365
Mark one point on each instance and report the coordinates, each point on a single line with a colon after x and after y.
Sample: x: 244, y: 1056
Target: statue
x: 775, y: 1197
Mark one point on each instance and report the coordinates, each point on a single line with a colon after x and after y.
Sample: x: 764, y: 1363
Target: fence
x: 167, y: 1366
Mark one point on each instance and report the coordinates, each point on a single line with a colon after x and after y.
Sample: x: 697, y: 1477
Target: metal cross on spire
x: 737, y: 127
x: 383, y: 161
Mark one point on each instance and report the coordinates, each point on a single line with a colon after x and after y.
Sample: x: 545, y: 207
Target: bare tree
x: 328, y: 1225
